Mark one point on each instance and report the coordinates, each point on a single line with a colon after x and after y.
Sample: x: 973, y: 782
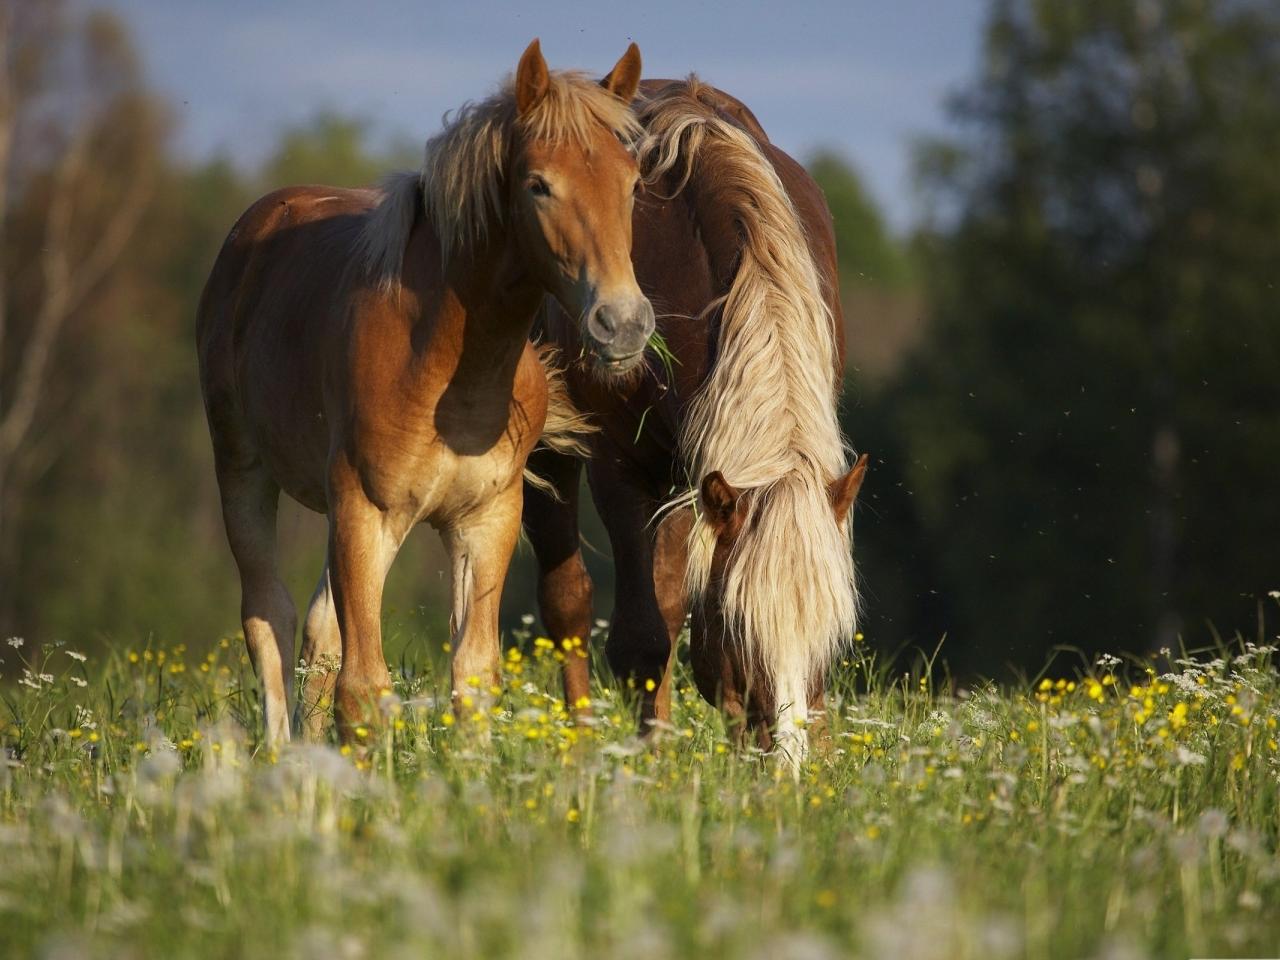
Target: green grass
x: 1127, y: 813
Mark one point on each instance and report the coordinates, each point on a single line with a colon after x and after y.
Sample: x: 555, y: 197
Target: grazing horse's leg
x: 640, y: 644
x: 322, y: 655
x: 564, y: 586
x: 362, y: 545
x: 480, y: 545
x: 670, y: 556
x: 249, y: 501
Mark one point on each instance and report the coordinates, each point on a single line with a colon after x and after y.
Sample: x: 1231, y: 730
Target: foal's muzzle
x: 619, y: 330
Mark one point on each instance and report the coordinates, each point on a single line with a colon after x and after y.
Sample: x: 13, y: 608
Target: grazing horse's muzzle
x: 619, y: 331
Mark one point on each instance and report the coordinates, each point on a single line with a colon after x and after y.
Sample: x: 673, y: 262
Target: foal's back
x: 267, y: 320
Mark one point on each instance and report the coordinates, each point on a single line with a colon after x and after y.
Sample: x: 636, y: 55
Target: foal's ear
x: 624, y: 79
x: 532, y: 81
x: 844, y: 490
x: 719, y: 500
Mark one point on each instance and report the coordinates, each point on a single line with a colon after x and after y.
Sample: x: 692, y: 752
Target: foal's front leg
x: 363, y: 541
x: 480, y: 545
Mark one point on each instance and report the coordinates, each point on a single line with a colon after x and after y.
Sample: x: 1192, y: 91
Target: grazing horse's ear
x: 532, y: 81
x: 719, y: 500
x: 624, y: 79
x: 844, y: 490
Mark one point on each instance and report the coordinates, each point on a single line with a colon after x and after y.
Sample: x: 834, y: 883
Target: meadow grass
x: 1122, y: 811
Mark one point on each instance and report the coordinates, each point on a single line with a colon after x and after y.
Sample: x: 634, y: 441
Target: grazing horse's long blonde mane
x: 766, y: 417
x: 461, y: 183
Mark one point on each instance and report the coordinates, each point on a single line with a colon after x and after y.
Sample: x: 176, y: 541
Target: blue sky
x: 862, y: 77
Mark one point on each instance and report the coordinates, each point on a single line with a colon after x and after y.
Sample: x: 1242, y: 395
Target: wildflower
x: 76, y: 655
x: 15, y: 642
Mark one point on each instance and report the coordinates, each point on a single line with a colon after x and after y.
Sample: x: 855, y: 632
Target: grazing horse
x: 732, y: 442
x: 367, y: 352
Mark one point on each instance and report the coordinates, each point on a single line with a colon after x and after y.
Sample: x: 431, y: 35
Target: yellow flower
x: 573, y: 815
x: 650, y: 685
x: 826, y: 899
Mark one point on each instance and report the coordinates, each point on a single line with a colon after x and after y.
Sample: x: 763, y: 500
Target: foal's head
x: 571, y: 190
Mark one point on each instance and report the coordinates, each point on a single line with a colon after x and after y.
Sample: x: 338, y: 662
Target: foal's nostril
x: 603, y: 324
x: 621, y: 329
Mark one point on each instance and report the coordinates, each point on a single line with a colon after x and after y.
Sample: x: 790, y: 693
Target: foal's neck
x: 498, y: 300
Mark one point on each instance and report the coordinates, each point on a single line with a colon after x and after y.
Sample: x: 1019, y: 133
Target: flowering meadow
x: 1119, y: 810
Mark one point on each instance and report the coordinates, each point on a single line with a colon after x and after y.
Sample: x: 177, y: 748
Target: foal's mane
x: 461, y: 183
x: 766, y: 417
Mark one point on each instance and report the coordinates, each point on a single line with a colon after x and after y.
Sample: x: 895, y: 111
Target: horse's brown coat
x: 687, y: 250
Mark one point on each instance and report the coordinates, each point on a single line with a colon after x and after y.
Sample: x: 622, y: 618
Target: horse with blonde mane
x: 367, y: 352
x: 720, y: 471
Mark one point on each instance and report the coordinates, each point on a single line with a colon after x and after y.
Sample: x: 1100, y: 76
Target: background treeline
x: 1067, y: 374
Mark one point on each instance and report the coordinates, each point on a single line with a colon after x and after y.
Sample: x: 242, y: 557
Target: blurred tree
x: 79, y: 147
x: 1088, y: 441
x: 334, y: 149
x: 884, y: 316
x: 868, y: 254
x: 109, y: 520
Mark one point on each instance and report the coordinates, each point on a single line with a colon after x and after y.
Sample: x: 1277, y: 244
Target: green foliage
x: 867, y: 253
x: 1081, y: 452
x: 1113, y: 811
x: 332, y: 148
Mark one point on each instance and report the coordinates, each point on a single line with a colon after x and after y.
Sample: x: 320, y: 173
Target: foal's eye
x: 539, y: 187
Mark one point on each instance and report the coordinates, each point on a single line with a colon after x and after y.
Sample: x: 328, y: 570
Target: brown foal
x: 367, y: 352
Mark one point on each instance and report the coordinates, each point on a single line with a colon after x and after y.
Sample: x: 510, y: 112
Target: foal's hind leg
x: 322, y: 656
x: 564, y: 586
x: 249, y: 501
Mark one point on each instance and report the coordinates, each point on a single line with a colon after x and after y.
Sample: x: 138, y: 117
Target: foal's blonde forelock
x: 767, y: 416
x: 462, y: 179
